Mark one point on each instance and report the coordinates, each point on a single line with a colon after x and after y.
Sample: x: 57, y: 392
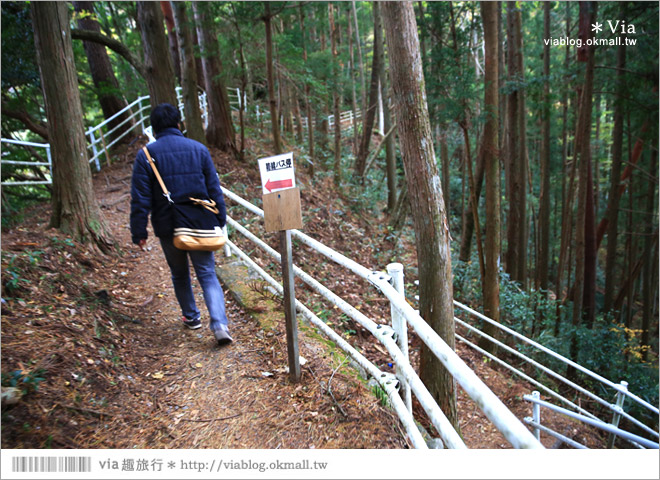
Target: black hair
x: 164, y: 116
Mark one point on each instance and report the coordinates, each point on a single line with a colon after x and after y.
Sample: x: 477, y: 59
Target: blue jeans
x: 204, y: 265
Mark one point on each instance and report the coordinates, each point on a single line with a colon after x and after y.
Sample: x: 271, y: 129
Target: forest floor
x: 96, y: 344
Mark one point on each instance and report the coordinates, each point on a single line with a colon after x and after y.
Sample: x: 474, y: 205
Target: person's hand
x: 142, y: 243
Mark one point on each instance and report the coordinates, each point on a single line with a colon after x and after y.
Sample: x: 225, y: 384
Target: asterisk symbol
x: 597, y: 27
x: 171, y: 465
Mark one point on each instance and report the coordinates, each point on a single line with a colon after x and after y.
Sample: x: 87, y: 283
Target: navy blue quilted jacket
x: 187, y: 170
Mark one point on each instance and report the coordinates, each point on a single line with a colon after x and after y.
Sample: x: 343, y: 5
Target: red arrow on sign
x: 270, y: 186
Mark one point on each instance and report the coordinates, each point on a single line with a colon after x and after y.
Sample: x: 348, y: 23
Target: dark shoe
x: 223, y: 337
x: 192, y: 324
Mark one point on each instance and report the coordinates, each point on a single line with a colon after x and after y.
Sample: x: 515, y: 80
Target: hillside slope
x: 98, y: 348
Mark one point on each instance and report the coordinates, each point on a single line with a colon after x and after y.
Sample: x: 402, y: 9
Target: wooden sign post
x: 281, y: 214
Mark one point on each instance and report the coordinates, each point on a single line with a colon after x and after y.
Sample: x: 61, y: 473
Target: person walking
x: 186, y: 168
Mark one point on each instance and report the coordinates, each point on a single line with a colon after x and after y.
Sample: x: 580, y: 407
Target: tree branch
x: 30, y: 123
x: 114, y: 45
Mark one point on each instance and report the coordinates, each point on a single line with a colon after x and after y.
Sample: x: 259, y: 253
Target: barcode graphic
x: 51, y: 464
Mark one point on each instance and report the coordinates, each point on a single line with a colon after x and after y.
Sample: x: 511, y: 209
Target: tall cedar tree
x: 157, y: 60
x: 516, y: 256
x: 370, y: 116
x: 334, y: 33
x: 491, y: 280
x: 542, y: 265
x: 105, y: 82
x: 220, y: 129
x: 172, y: 39
x: 193, y: 114
x: 272, y: 101
x: 425, y: 194
x: 585, y: 231
x: 74, y: 207
x: 617, y: 155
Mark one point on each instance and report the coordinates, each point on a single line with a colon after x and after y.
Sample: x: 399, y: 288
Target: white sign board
x: 277, y: 173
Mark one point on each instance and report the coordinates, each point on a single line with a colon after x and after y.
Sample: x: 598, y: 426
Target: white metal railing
x: 236, y: 100
x: 136, y: 116
x: 97, y: 138
x: 48, y: 163
x: 346, y: 118
x: 620, y: 389
x: 614, y: 431
x: 512, y: 428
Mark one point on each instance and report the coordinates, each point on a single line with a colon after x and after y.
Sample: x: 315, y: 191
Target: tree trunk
x: 468, y: 221
x: 351, y: 70
x: 308, y: 103
x: 585, y: 240
x: 244, y: 85
x: 172, y: 38
x: 445, y: 162
x: 220, y: 130
x: 649, y: 267
x: 363, y: 80
x: 613, y: 207
x: 193, y: 114
x: 516, y: 258
x: 334, y: 30
x: 542, y: 262
x: 272, y: 101
x: 490, y: 153
x: 74, y: 207
x: 425, y: 193
x: 105, y: 82
x: 157, y: 60
x: 390, y: 153
x: 370, y: 115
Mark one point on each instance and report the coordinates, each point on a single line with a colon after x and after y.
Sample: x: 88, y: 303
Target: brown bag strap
x: 207, y: 204
x: 160, y: 179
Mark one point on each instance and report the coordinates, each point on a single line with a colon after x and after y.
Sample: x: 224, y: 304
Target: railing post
x: 205, y: 110
x: 395, y: 270
x: 536, y: 414
x: 141, y: 116
x: 94, y: 150
x: 620, y: 398
x: 225, y: 232
x: 50, y: 162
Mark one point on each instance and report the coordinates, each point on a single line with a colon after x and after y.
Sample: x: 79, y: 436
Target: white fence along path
x: 401, y: 387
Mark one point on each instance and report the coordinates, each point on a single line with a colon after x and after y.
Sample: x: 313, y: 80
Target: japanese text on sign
x: 277, y: 173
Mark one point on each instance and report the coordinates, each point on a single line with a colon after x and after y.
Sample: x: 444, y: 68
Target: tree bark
x: 516, y: 257
x: 74, y: 207
x: 334, y: 30
x: 490, y: 153
x: 105, y: 82
x: 585, y: 240
x: 193, y: 114
x: 390, y: 153
x: 613, y: 207
x: 172, y: 38
x: 542, y: 262
x: 244, y: 84
x: 370, y: 115
x: 468, y: 223
x: 157, y: 60
x: 363, y: 80
x: 272, y: 101
x: 650, y: 267
x: 220, y: 130
x: 32, y: 124
x: 425, y: 193
x: 114, y: 45
x: 308, y: 103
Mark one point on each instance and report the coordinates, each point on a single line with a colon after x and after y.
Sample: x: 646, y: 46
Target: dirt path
x: 115, y: 368
x: 165, y: 386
